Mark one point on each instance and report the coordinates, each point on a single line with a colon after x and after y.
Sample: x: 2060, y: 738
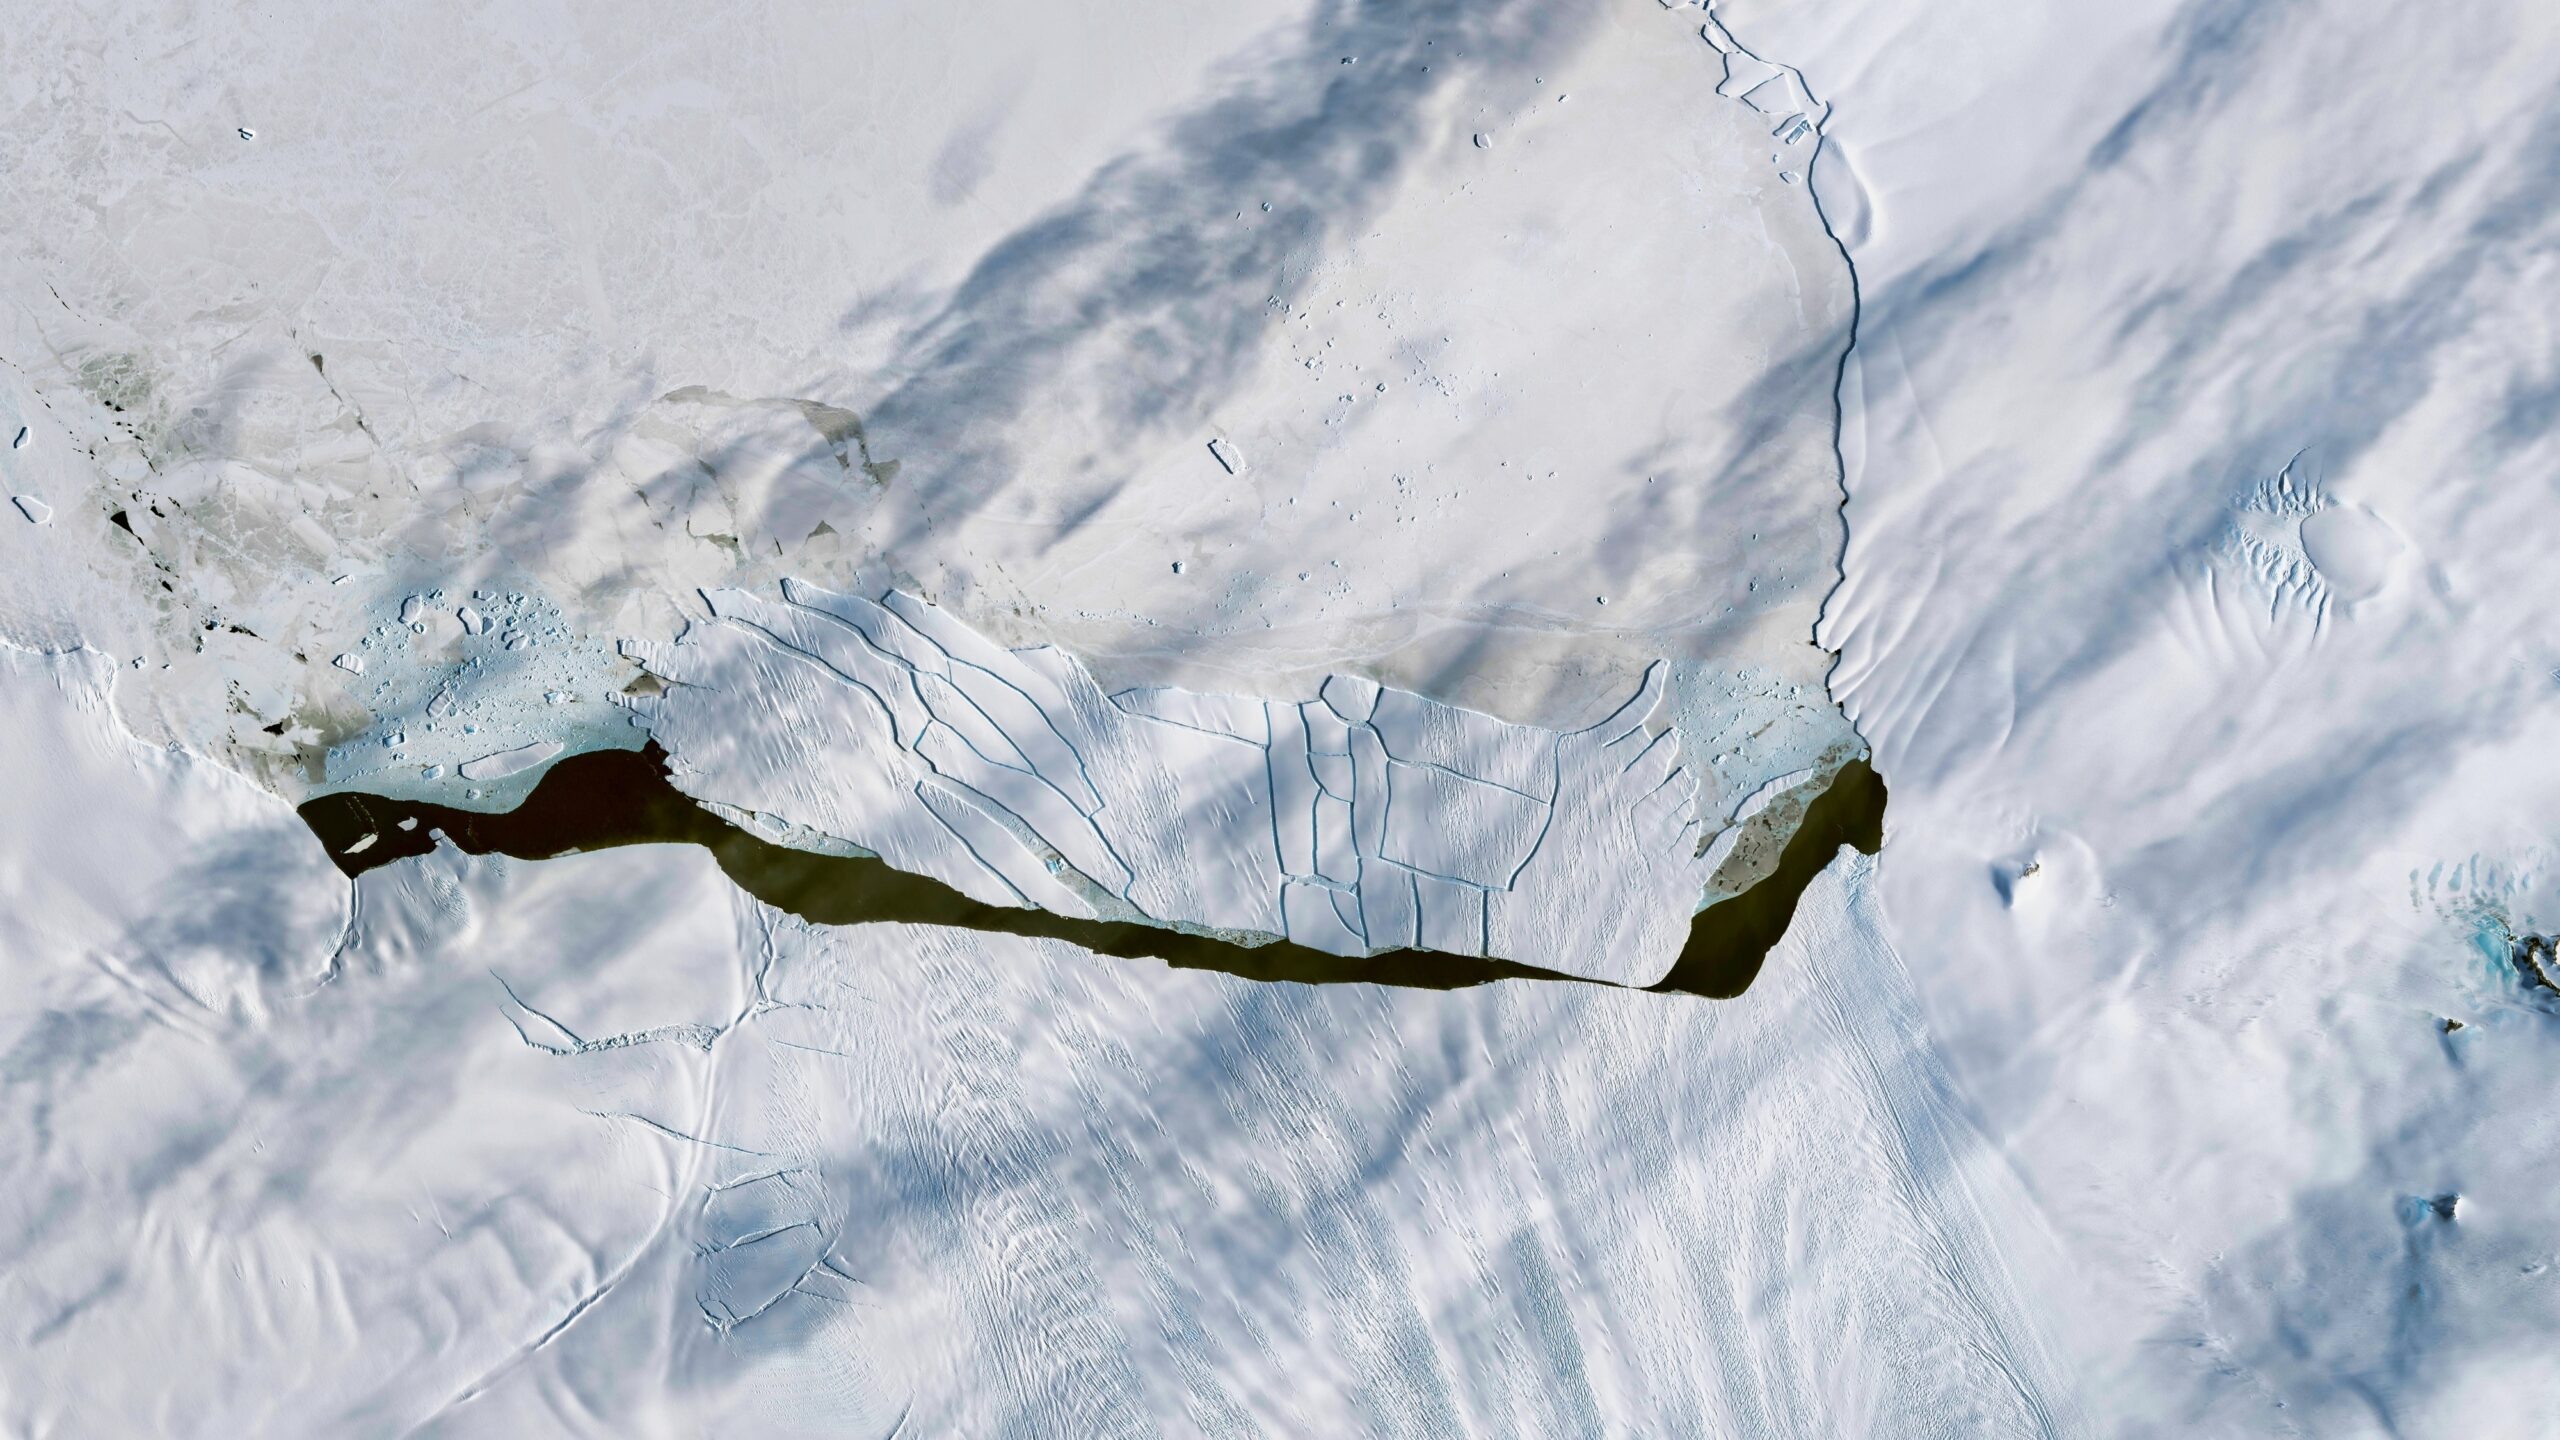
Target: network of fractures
x: 1361, y: 820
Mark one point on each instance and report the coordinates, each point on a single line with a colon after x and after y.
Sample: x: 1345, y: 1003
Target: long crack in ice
x: 1358, y: 821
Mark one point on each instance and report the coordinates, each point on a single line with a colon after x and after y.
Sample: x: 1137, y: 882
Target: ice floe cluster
x: 1363, y: 820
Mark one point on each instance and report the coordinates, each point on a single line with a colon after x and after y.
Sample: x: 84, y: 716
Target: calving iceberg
x: 1359, y: 821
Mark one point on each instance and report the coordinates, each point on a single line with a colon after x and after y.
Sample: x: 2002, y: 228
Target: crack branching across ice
x: 619, y: 797
x: 1361, y: 821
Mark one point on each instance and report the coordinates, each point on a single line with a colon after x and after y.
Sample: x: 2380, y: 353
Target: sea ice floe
x: 1361, y: 820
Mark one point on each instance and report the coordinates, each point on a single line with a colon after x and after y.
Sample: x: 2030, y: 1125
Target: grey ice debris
x: 2006, y: 879
x: 1226, y: 456
x: 36, y: 511
x: 350, y: 662
x: 510, y: 762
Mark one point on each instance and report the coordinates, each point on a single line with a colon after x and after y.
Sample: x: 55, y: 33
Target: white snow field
x: 600, y: 1145
x: 1232, y: 467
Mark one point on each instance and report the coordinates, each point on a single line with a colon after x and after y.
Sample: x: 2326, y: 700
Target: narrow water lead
x: 607, y: 798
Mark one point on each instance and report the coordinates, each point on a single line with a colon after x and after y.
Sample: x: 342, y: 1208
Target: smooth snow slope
x: 2197, y: 597
x: 599, y: 1146
x: 2201, y: 457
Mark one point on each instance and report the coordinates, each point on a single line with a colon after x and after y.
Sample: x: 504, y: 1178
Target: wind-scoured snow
x: 2200, y: 435
x: 2177, y: 1069
x: 602, y: 1146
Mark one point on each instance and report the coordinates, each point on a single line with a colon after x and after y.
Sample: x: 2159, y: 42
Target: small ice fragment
x: 432, y: 772
x: 362, y: 845
x: 350, y: 662
x: 409, y: 822
x: 1481, y: 142
x: 555, y: 697
x: 341, y: 580
x: 20, y: 443
x: 510, y: 762
x: 398, y: 739
x: 248, y: 134
x: 1599, y: 599
x: 413, y: 609
x: 1226, y: 456
x: 473, y: 622
x: 36, y: 511
x: 517, y: 640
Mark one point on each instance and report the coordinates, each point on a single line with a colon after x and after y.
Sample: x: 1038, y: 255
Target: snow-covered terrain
x: 1241, y: 414
x: 600, y: 1145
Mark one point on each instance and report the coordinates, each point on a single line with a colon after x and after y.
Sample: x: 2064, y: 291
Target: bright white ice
x: 1328, y: 378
